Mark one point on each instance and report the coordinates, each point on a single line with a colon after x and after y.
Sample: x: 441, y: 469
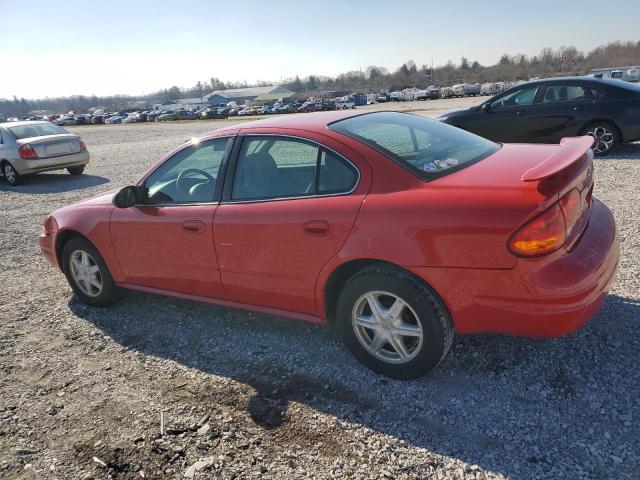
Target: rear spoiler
x: 571, y: 150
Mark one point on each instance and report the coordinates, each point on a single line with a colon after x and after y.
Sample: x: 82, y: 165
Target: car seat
x: 257, y: 177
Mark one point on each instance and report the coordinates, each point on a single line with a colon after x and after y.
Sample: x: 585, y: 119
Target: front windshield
x: 426, y: 147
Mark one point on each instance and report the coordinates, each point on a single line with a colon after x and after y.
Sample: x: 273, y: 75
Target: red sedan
x: 401, y: 229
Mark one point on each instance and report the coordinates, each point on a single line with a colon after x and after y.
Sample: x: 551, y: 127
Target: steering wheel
x: 184, y: 187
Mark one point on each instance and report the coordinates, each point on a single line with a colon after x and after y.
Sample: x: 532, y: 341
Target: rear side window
x: 426, y: 147
x: 565, y: 93
x: 277, y: 167
x: 334, y: 174
x: 36, y: 130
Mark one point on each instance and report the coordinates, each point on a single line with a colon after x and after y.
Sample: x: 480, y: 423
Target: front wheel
x: 605, y: 137
x: 393, y: 323
x: 87, y: 273
x: 75, y: 170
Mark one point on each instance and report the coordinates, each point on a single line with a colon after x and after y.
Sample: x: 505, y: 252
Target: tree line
x: 566, y: 60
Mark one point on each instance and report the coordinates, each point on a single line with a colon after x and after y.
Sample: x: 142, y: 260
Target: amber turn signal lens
x: 544, y: 234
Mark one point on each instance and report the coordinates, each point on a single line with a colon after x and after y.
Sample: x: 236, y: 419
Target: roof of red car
x: 302, y: 121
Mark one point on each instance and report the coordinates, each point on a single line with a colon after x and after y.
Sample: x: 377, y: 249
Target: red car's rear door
x: 280, y: 222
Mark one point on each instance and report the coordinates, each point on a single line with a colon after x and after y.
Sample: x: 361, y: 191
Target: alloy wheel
x: 387, y: 327
x: 9, y: 174
x: 85, y: 273
x: 602, y: 138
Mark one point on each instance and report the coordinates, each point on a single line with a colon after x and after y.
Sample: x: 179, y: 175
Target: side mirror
x: 129, y: 196
x: 486, y: 107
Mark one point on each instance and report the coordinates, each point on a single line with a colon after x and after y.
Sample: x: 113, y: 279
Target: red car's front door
x: 167, y: 242
x: 292, y: 206
x: 168, y: 247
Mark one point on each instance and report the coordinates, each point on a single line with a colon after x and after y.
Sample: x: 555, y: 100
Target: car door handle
x: 193, y: 226
x: 520, y: 112
x: 579, y: 108
x: 316, y: 227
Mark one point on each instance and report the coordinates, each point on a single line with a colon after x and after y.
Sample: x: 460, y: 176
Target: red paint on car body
x: 452, y: 232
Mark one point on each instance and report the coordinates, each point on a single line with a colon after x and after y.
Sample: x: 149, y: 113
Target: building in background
x: 268, y: 94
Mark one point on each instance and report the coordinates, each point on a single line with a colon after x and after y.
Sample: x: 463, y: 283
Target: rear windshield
x: 36, y: 130
x: 427, y: 148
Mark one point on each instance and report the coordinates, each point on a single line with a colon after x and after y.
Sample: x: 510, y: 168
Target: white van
x: 446, y: 92
x: 632, y: 75
x: 488, y: 89
x: 420, y: 95
x: 465, y: 90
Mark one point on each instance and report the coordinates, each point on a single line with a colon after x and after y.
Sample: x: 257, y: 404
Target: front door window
x: 189, y: 176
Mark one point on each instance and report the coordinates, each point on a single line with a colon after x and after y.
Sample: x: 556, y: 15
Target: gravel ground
x: 84, y: 392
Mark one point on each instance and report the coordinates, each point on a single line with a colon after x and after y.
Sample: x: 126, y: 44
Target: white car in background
x: 500, y: 87
x: 488, y: 89
x: 396, y: 96
x: 632, y: 75
x: 35, y: 146
x: 420, y: 95
x: 446, y: 92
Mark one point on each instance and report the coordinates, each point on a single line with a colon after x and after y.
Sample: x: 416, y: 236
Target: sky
x: 50, y: 49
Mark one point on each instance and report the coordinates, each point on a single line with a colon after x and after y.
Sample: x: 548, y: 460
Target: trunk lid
x: 53, y: 145
x: 523, y: 180
x: 545, y: 172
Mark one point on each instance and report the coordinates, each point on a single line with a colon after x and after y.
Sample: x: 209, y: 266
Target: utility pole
x: 433, y: 75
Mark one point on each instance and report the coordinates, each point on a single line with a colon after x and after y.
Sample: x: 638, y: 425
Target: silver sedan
x: 32, y: 147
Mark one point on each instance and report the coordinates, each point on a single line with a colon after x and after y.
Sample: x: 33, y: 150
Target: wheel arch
x: 63, y: 237
x: 603, y: 120
x: 343, y: 272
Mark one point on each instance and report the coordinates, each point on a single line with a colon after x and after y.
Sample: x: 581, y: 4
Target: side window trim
x: 233, y: 162
x: 219, y: 180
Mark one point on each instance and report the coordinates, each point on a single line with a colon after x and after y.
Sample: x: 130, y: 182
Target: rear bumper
x: 52, y: 163
x: 540, y: 297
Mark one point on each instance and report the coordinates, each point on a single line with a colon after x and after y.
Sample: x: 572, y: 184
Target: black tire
x: 609, y: 131
x: 75, y: 170
x: 425, y: 308
x: 109, y: 292
x: 10, y: 174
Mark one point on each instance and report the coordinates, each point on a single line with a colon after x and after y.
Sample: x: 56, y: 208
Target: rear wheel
x: 76, y: 170
x: 10, y: 174
x: 393, y: 323
x: 87, y: 273
x: 605, y: 137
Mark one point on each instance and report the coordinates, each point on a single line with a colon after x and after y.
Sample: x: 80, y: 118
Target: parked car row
x: 434, y: 92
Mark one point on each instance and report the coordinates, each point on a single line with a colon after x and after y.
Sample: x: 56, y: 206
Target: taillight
x: 27, y: 152
x: 559, y: 225
x: 544, y: 234
x: 82, y: 145
x: 570, y: 205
